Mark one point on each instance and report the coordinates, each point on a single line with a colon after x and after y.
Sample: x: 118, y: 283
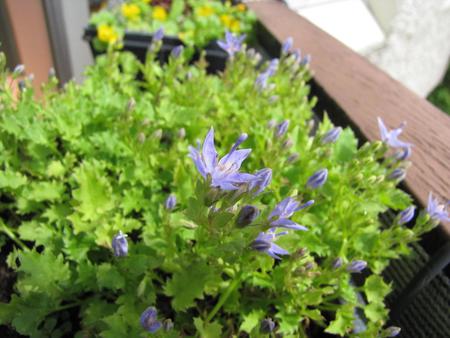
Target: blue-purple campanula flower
x: 403, y: 154
x: 262, y: 78
x: 406, y: 215
x: 171, y: 202
x: 287, y: 45
x: 176, y: 51
x: 306, y: 60
x: 19, y: 70
x: 332, y: 135
x: 265, y: 243
x: 356, y: 266
x: 281, y: 128
x: 232, y: 44
x: 317, y: 179
x: 279, y: 217
x: 397, y: 174
x: 224, y: 173
x: 390, y: 137
x: 120, y: 245
x: 262, y: 179
x: 437, y: 211
x: 247, y: 215
x: 392, y: 331
x: 159, y: 35
x: 267, y: 326
x: 149, y: 320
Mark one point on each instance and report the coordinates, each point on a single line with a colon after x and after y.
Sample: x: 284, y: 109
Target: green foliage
x: 87, y: 161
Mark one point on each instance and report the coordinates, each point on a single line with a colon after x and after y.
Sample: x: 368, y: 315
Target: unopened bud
x: 131, y: 104
x: 181, y: 133
x: 247, y: 215
x: 267, y: 326
x: 157, y: 134
x: 141, y: 137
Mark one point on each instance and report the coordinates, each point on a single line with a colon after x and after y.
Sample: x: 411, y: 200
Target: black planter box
x: 138, y: 44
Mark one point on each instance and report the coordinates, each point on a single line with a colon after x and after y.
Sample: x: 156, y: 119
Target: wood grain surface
x: 364, y: 92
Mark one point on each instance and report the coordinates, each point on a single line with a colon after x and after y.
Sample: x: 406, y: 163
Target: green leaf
x: 11, y: 179
x: 109, y: 277
x: 346, y: 146
x: 376, y: 289
x: 187, y: 284
x: 94, y: 193
x: 343, y: 322
x: 376, y: 312
x: 208, y: 330
x: 251, y: 320
x: 395, y: 199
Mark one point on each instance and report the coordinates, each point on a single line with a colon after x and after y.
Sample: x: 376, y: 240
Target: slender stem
x: 223, y: 298
x: 12, y: 236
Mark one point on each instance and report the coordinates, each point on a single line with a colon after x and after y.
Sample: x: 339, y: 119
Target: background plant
x: 194, y: 22
x: 88, y: 161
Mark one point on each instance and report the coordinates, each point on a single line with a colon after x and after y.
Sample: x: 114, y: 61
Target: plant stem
x: 223, y: 298
x: 12, y: 236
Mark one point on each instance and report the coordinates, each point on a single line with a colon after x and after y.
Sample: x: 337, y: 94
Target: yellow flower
x: 226, y: 20
x: 235, y: 26
x: 130, y: 11
x: 205, y: 11
x: 241, y: 7
x: 159, y: 13
x: 106, y: 33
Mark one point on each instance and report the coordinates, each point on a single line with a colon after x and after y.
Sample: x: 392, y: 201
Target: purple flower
x: 158, y: 35
x: 292, y: 158
x: 306, y: 60
x: 223, y: 173
x: 357, y: 266
x: 331, y: 136
x: 262, y: 179
x: 264, y: 243
x: 397, y: 174
x: 120, y: 245
x: 281, y: 128
x: 267, y: 326
x: 287, y: 45
x: 318, y: 179
x: 149, y: 320
x: 437, y: 211
x: 176, y: 51
x: 297, y: 54
x: 406, y: 215
x: 392, y: 331
x: 171, y: 202
x: 403, y: 154
x: 19, y: 70
x: 261, y: 80
x: 247, y: 215
x: 279, y: 217
x: 337, y: 263
x: 390, y: 137
x: 232, y: 44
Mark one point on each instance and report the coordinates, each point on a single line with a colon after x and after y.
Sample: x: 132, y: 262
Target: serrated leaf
x: 11, y: 179
x: 186, y: 285
x: 343, y: 322
x: 94, y: 192
x: 251, y: 320
x: 376, y: 289
x: 395, y: 199
x: 208, y: 330
x: 376, y: 312
x: 109, y: 277
x: 346, y: 146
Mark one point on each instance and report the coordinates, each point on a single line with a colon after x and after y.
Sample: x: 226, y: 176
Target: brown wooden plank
x: 364, y: 92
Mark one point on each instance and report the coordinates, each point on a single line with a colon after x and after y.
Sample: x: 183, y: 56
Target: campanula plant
x: 186, y: 204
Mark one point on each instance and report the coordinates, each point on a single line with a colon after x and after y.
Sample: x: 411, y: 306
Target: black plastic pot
x: 138, y: 44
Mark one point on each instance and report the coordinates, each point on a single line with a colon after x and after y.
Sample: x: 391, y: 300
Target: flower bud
x: 131, y: 104
x: 120, y: 245
x: 273, y: 98
x: 247, y: 215
x: 22, y: 85
x: 51, y: 73
x: 281, y: 128
x: 287, y: 144
x: 149, y: 320
x: 318, y: 179
x: 309, y: 266
x: 171, y: 202
x: 181, y: 133
x: 406, y: 215
x: 159, y: 35
x: 357, y: 266
x: 267, y: 326
x: 167, y: 324
x: 397, y: 174
x: 392, y: 331
x: 331, y: 136
x: 287, y: 45
x: 19, y: 70
x: 403, y: 154
x: 292, y: 158
x: 176, y: 51
x: 141, y: 137
x: 157, y: 134
x: 337, y: 263
x: 271, y: 124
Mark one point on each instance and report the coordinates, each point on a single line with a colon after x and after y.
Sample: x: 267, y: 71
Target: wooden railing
x: 352, y: 88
